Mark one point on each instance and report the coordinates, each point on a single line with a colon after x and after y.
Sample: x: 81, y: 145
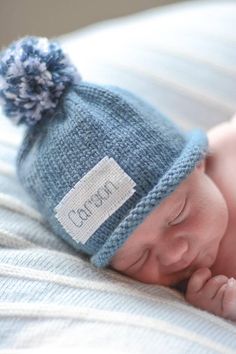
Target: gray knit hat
x: 95, y: 159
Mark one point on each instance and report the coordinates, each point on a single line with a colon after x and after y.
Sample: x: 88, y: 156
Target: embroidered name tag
x: 95, y: 197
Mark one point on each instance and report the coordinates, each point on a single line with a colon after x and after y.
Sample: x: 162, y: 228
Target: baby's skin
x: 191, y: 236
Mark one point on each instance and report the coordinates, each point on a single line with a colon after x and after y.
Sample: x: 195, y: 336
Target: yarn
x: 33, y: 75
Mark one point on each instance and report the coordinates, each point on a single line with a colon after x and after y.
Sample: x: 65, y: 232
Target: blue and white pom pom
x: 33, y: 75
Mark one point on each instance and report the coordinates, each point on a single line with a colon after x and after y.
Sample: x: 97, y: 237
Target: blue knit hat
x: 95, y: 159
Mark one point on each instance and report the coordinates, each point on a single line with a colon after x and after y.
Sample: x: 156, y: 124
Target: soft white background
x: 55, y: 17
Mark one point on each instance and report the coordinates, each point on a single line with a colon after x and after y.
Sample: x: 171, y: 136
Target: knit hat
x: 95, y: 159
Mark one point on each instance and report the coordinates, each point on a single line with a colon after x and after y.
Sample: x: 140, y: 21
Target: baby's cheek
x: 149, y: 273
x: 206, y: 223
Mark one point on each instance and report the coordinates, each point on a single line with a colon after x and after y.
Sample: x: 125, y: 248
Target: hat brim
x: 193, y: 152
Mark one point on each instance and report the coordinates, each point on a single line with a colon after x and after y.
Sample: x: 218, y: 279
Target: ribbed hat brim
x: 193, y: 152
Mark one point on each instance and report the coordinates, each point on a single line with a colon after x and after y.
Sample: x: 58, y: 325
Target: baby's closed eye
x: 134, y: 267
x: 179, y: 215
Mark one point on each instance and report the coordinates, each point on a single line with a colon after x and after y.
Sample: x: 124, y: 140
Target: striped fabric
x: 181, y: 58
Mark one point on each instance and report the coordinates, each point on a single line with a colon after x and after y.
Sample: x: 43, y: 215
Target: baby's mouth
x: 185, y: 265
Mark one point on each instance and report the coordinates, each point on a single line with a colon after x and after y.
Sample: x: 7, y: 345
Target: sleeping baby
x: 119, y: 181
x: 191, y: 234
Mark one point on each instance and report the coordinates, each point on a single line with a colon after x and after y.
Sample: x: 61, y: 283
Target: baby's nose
x: 173, y: 251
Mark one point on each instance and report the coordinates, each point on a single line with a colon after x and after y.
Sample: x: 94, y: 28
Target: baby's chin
x: 205, y: 259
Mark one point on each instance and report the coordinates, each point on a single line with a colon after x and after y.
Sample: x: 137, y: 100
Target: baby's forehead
x: 180, y: 191
x: 177, y: 193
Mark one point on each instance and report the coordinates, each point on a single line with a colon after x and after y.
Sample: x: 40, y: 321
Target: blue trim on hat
x: 193, y: 152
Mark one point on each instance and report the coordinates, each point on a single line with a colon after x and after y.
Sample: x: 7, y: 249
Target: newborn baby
x: 119, y: 181
x: 191, y: 235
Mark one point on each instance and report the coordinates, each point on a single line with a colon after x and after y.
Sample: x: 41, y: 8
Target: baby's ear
x: 202, y: 165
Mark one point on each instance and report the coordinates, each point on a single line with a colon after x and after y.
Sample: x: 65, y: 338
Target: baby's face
x: 179, y: 236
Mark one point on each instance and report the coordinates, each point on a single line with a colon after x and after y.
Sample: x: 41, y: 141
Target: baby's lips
x: 186, y: 265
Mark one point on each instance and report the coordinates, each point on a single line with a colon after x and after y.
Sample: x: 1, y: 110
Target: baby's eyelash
x: 179, y: 213
x: 146, y: 252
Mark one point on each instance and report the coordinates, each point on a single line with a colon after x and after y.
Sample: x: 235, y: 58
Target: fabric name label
x: 95, y: 197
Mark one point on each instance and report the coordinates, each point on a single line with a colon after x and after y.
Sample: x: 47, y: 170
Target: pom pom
x: 33, y: 75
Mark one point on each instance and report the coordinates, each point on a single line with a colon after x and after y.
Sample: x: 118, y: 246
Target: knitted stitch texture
x: 90, y: 123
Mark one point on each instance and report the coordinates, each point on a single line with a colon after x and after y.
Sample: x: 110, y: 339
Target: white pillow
x: 182, y: 59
